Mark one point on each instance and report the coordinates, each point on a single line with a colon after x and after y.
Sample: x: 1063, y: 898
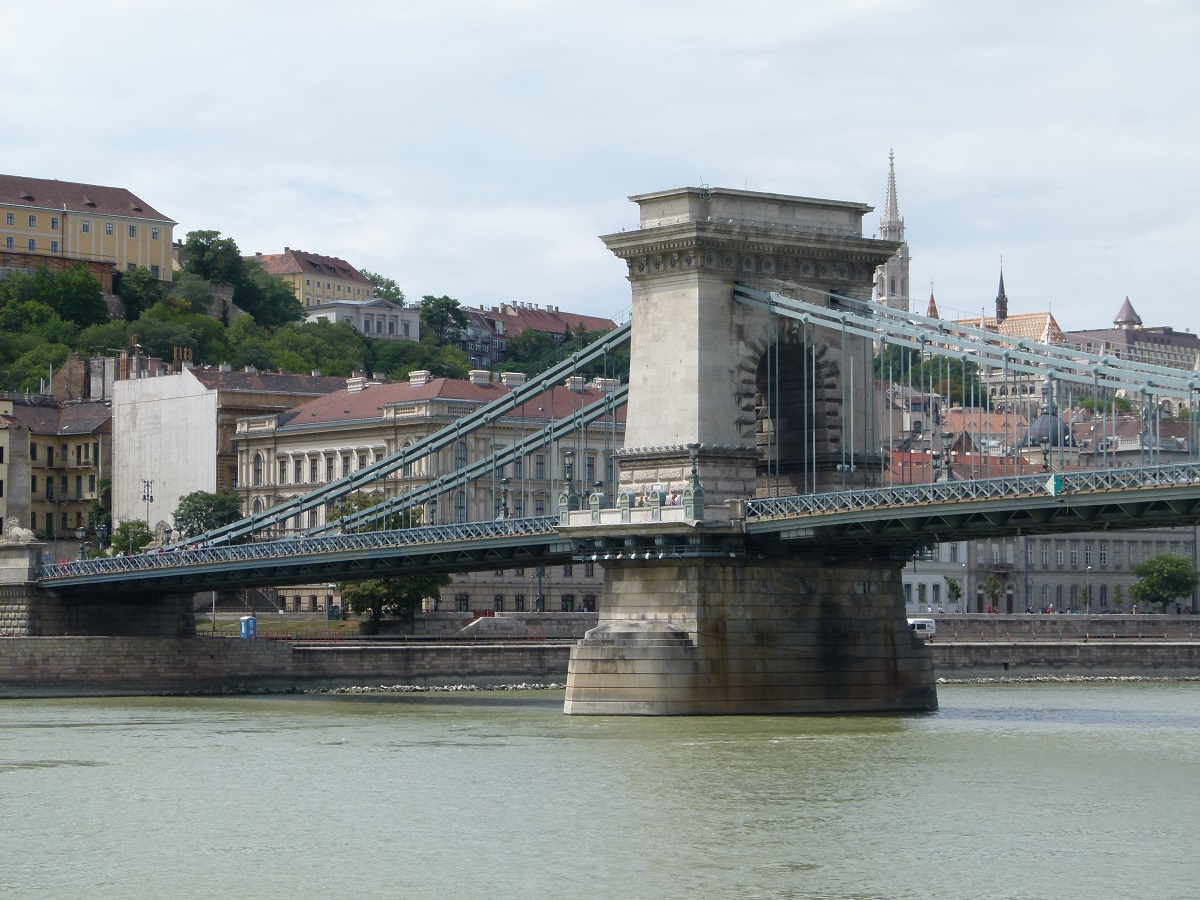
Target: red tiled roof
x: 517, y: 319
x: 297, y: 262
x: 266, y: 382
x: 45, y: 193
x: 66, y: 419
x: 369, y: 403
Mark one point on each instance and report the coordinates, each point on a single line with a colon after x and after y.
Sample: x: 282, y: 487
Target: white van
x: 923, y: 628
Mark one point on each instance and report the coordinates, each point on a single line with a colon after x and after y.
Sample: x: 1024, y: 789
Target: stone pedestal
x: 28, y: 610
x: 750, y: 636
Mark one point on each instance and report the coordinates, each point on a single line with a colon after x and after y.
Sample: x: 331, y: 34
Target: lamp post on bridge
x: 148, y: 498
x: 947, y: 439
x: 80, y: 534
x: 504, y: 498
x: 1044, y: 443
x: 1087, y: 591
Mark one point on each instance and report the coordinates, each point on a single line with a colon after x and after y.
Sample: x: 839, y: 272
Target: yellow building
x: 316, y: 279
x: 40, y: 217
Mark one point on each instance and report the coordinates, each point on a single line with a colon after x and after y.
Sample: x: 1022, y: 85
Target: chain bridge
x: 753, y: 536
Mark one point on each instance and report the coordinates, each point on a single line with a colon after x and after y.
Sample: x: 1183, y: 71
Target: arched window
x: 460, y: 454
x: 891, y: 285
x: 257, y: 476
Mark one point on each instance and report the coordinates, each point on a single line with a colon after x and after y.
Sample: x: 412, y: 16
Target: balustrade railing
x: 284, y: 548
x: 1072, y: 482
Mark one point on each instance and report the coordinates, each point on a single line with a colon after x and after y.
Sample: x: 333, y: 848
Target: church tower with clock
x: 891, y: 279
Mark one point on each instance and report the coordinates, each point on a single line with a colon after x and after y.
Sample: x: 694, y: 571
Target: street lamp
x: 947, y: 443
x: 1087, y: 592
x: 1044, y: 443
x: 80, y: 534
x: 504, y: 498
x: 148, y: 496
x: 101, y: 534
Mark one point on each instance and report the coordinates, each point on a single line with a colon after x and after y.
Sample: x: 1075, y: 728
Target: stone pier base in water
x: 750, y: 636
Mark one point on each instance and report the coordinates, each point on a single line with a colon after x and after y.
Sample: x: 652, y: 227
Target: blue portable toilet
x: 249, y: 627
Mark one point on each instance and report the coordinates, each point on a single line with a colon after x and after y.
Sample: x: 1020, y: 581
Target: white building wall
x: 164, y: 429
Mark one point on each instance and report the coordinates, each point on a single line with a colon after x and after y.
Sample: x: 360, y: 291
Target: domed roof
x: 1051, y: 428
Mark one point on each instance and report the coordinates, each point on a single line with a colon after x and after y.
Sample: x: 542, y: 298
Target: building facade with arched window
x: 285, y: 455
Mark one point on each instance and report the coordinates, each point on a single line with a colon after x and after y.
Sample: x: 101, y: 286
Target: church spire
x: 891, y: 279
x: 1001, y: 299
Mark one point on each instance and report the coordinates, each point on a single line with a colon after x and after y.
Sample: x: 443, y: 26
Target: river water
x: 1014, y: 791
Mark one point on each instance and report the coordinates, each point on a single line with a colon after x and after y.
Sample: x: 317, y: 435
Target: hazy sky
x: 477, y: 149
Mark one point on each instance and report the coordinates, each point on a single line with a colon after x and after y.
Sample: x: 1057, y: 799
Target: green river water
x: 1013, y: 791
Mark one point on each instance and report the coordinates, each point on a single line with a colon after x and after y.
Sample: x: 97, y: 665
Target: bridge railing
x: 300, y: 546
x: 1071, y: 482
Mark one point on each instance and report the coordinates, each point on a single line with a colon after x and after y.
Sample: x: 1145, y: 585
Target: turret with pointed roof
x: 932, y: 310
x: 1126, y: 317
x: 1001, y: 300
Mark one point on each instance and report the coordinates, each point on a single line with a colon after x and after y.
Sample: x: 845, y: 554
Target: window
x: 1087, y: 554
x: 995, y: 554
x: 108, y: 227
x: 282, y: 472
x: 568, y: 570
x: 298, y: 471
x: 133, y: 231
x: 461, y: 602
x: 589, y: 603
x: 33, y: 221
x: 256, y: 475
x: 154, y: 271
x: 54, y: 246
x: 78, y: 487
x: 154, y: 234
x: 518, y: 600
x: 954, y: 552
x: 518, y: 468
x: 1058, y: 556
x: 518, y: 508
x: 329, y: 468
x: 391, y: 326
x: 498, y: 603
x: 308, y: 282
x: 1, y: 487
x: 1104, y: 595
x: 10, y: 219
x: 1074, y: 556
x: 460, y: 454
x: 1008, y: 553
x: 85, y: 227
x: 91, y: 484
x: 1045, y: 595
x: 460, y: 507
x: 539, y: 506
x: 1045, y: 555
x: 539, y: 467
x: 907, y: 593
x: 589, y: 471
x: 921, y: 595
x: 32, y: 244
x: 589, y: 570
x: 568, y: 603
x: 33, y: 484
x: 406, y: 334
x: 9, y: 243
x: 33, y: 451
x: 63, y: 520
x: 54, y: 223
x: 345, y: 464
x: 362, y: 460
x: 937, y: 592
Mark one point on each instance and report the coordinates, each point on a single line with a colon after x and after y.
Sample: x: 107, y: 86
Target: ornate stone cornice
x: 746, y: 250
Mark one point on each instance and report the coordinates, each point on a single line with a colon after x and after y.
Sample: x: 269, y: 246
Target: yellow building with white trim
x: 68, y: 220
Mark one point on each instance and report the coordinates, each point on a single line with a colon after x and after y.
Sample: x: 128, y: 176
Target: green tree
x: 954, y: 590
x: 271, y: 300
x: 131, y: 536
x: 1118, y: 598
x: 100, y: 512
x: 29, y: 370
x: 441, y: 319
x: 992, y: 590
x: 138, y: 289
x: 212, y: 257
x: 387, y: 597
x: 201, y: 511
x: 385, y: 288
x: 74, y: 294
x: 1163, y: 578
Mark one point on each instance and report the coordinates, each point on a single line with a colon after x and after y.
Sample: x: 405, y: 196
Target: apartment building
x: 43, y: 221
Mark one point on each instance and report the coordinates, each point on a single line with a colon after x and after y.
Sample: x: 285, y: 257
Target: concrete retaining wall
x: 996, y: 659
x: 1064, y: 628
x: 98, y: 666
x: 68, y: 666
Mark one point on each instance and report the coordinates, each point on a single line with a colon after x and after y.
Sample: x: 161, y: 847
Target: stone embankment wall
x: 996, y: 659
x: 554, y: 626
x: 1066, y: 628
x: 66, y: 666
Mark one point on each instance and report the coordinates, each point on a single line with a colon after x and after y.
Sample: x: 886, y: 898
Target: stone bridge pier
x: 28, y: 610
x: 728, y: 401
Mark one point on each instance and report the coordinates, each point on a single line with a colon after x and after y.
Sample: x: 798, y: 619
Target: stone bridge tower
x: 727, y: 401
x: 768, y: 400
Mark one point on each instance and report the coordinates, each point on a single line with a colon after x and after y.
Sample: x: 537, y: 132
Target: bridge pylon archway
x: 728, y: 401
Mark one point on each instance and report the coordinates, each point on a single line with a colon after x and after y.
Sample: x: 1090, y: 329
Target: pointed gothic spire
x: 1126, y: 317
x: 891, y: 208
x: 932, y: 311
x: 1001, y: 299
